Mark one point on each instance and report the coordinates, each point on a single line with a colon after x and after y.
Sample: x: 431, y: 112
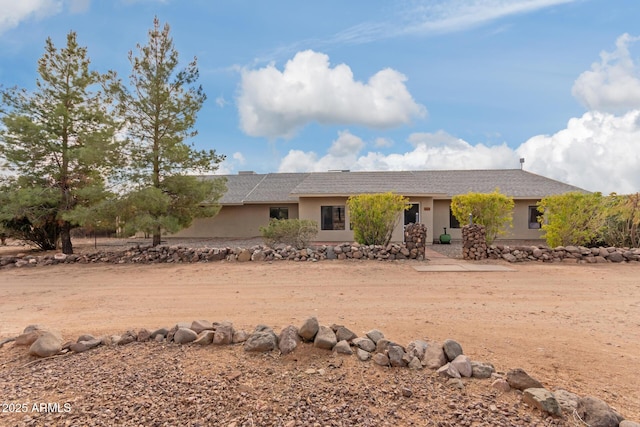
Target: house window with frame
x: 534, y: 217
x: 332, y: 217
x: 278, y: 213
x: 453, y: 221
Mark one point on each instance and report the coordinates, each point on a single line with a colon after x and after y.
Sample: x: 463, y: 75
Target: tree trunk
x: 65, y: 238
x: 157, y: 236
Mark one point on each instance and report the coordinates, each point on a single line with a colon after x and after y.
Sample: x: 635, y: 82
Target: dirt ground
x: 575, y: 327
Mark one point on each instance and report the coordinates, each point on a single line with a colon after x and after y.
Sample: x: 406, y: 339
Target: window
x: 534, y: 217
x: 279, y: 213
x: 332, y: 217
x: 453, y: 221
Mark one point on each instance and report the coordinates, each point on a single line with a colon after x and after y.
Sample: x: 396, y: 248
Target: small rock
x: 363, y: 355
x: 204, y: 338
x: 143, y: 335
x: 452, y: 349
x: 325, y: 338
x: 375, y: 335
x: 198, y: 326
x: 344, y: 334
x: 415, y: 364
x: 240, y: 336
x: 463, y: 365
x: 343, y: 347
x: 434, y: 356
x: 223, y: 334
x: 309, y: 329
x: 288, y: 339
x: 184, y: 336
x: 542, y: 399
x: 501, y: 385
x: 365, y: 344
x: 448, y: 371
x: 396, y: 354
x: 481, y: 370
x: 568, y: 401
x: 406, y: 392
x: 262, y: 339
x: 381, y: 359
x: 520, y: 380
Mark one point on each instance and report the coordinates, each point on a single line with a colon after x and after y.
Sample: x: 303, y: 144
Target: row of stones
x: 474, y: 247
x: 180, y: 254
x: 415, y: 236
x: 570, y: 254
x: 446, y: 359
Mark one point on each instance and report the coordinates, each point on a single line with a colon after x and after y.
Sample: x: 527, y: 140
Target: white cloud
x: 79, y: 6
x: 459, y: 15
x: 598, y: 152
x: 613, y: 84
x: 431, y: 151
x: 221, y: 102
x: 342, y: 154
x: 13, y: 12
x: 274, y: 103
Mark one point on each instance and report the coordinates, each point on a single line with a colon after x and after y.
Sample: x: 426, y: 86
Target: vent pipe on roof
x: 521, y: 163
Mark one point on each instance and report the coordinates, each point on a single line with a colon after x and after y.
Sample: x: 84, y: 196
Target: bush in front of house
x: 374, y: 216
x: 295, y: 232
x: 492, y: 210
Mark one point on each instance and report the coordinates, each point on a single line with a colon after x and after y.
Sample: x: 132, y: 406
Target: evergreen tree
x: 160, y: 109
x: 59, y: 141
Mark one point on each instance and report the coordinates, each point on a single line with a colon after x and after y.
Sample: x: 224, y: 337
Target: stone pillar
x: 415, y: 237
x: 474, y: 242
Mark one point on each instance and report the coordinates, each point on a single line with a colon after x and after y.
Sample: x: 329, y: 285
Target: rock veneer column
x: 415, y: 236
x: 474, y: 242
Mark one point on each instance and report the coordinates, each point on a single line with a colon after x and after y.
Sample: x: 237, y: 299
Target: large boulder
x: 596, y: 413
x: 184, y: 336
x: 309, y: 329
x: 47, y: 344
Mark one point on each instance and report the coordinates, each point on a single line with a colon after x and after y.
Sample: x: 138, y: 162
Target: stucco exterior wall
x: 310, y: 208
x: 520, y: 230
x: 235, y: 221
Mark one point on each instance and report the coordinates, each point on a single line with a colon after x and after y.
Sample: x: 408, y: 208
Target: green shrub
x: 294, y: 232
x: 493, y: 210
x: 573, y: 218
x: 374, y: 216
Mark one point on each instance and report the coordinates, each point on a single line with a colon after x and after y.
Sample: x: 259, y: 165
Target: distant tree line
x: 84, y: 149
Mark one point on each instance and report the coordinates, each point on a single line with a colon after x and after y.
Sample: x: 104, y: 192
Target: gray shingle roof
x: 442, y: 184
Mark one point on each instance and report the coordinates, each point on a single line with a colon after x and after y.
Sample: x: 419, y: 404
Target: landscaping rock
x: 198, y: 326
x: 184, y: 336
x: 309, y: 329
x: 520, y: 380
x: 343, y: 347
x: 363, y: 355
x: 481, y: 370
x: 452, y: 349
x: 262, y: 339
x: 596, y: 413
x: 204, y: 338
x: 542, y: 399
x: 434, y: 357
x: 325, y: 338
x: 47, y: 344
x: 223, y: 334
x: 568, y: 401
x: 375, y: 335
x: 365, y: 344
x: 381, y: 359
x: 288, y: 339
x: 463, y: 365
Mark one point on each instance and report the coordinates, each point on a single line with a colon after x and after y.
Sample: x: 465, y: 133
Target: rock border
x: 446, y: 360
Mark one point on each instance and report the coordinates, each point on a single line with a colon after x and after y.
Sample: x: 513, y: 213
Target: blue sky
x: 381, y: 85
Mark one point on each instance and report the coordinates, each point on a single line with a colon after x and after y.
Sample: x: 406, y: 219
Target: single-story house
x: 252, y: 199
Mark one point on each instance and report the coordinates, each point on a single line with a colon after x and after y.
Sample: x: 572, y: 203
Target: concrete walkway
x: 438, y: 262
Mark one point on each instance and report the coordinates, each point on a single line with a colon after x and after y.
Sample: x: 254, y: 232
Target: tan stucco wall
x: 520, y: 230
x: 235, y: 221
x: 310, y: 208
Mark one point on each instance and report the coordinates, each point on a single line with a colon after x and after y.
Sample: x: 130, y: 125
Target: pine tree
x: 160, y: 109
x: 59, y: 142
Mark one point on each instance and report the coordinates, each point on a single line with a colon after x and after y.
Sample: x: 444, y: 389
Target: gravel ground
x: 152, y: 384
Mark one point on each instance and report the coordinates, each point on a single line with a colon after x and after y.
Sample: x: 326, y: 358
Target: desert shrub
x: 294, y: 232
x: 374, y: 216
x: 492, y: 210
x: 622, y: 221
x: 574, y: 218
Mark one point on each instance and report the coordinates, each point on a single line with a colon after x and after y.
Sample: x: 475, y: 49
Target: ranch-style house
x: 252, y: 199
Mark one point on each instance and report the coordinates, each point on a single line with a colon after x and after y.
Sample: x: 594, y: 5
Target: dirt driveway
x: 572, y: 326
